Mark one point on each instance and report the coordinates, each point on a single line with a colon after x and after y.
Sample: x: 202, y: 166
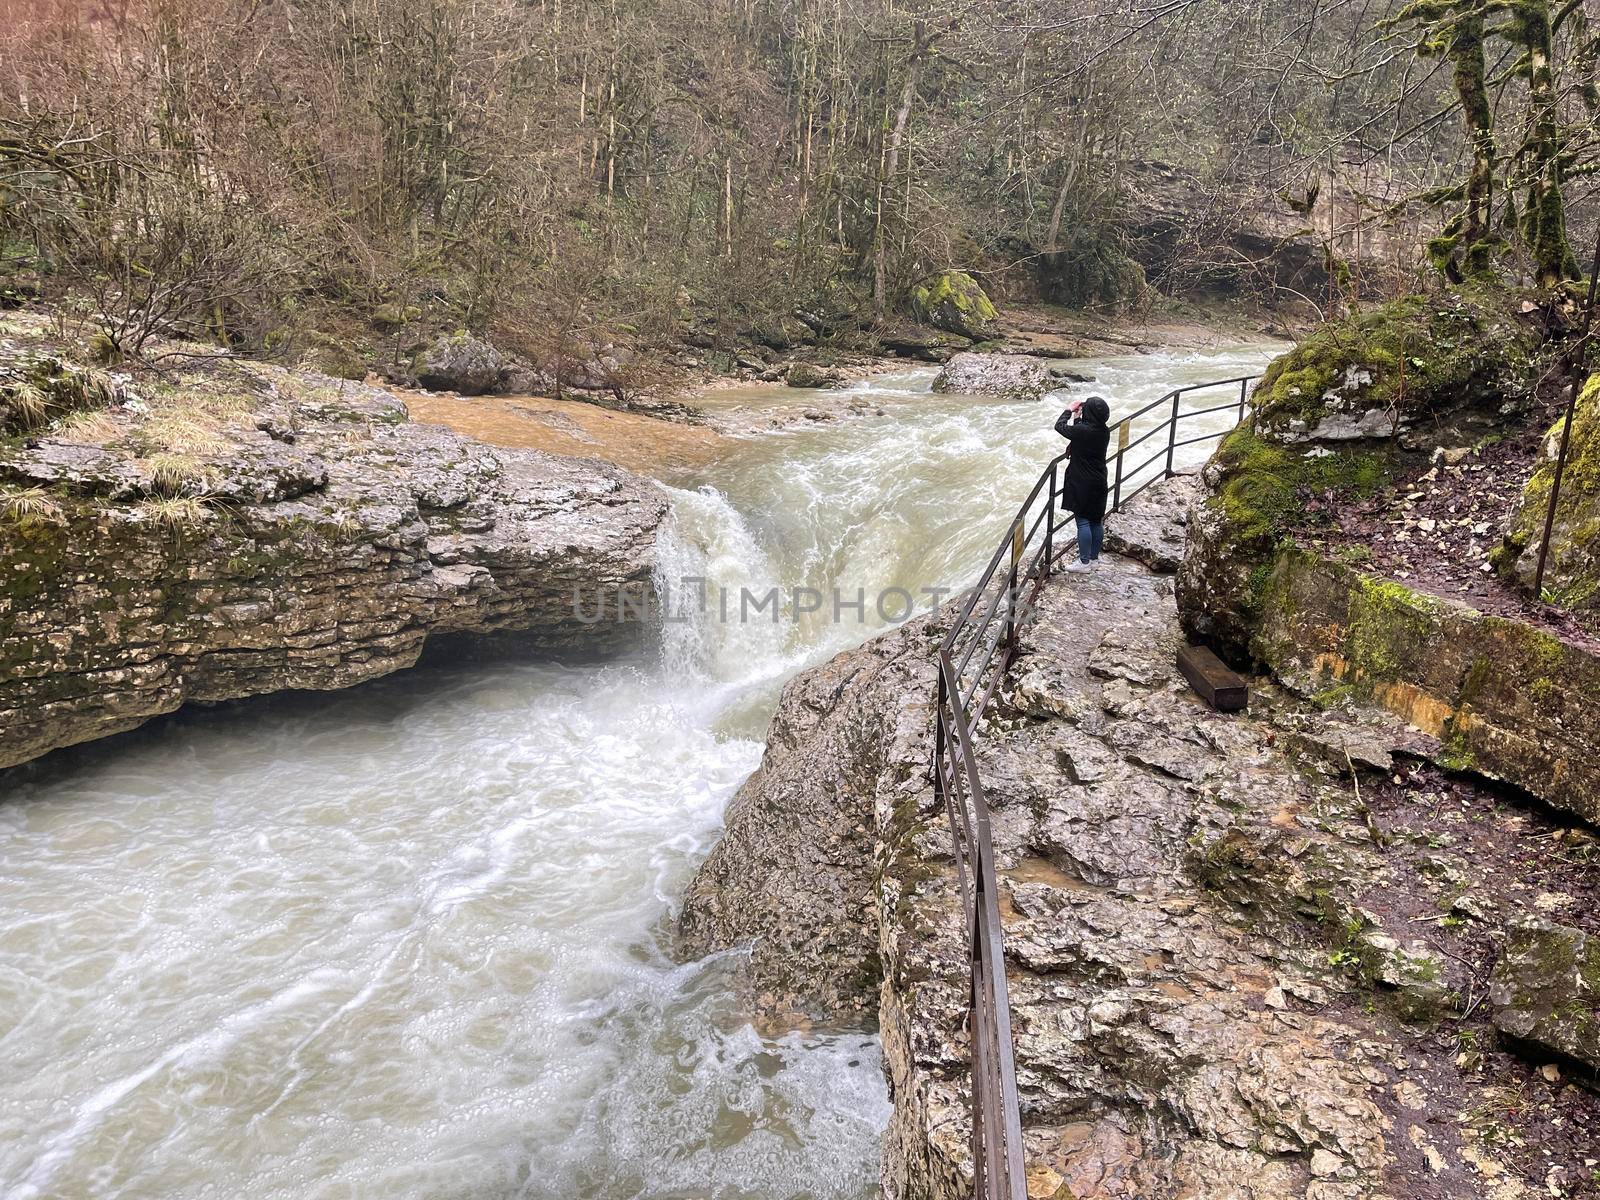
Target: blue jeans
x: 1091, y: 536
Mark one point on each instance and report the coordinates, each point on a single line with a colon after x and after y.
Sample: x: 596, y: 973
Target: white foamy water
x: 406, y: 941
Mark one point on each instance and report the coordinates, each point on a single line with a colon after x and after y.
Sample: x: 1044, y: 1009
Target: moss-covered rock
x: 1460, y: 355
x: 955, y: 302
x: 1256, y: 497
x: 1501, y: 698
x: 1572, y: 575
x: 1546, y: 989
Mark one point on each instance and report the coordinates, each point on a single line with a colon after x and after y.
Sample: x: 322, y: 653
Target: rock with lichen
x: 1451, y: 361
x: 1572, y: 572
x: 1546, y: 989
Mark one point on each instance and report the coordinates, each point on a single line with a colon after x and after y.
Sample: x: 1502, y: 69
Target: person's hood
x: 1097, y: 410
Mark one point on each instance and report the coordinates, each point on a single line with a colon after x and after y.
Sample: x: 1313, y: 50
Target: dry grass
x: 171, y: 473
x: 188, y: 430
x: 27, y: 406
x: 174, y: 512
x: 86, y: 427
x: 29, y: 507
x: 45, y: 388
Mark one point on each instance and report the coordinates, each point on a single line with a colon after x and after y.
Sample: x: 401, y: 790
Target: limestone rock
x: 1154, y: 527
x: 460, y: 363
x: 1012, y: 376
x: 1546, y: 989
x: 1168, y: 1043
x: 321, y: 545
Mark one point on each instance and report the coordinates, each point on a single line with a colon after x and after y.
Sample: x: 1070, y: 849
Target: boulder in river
x: 460, y: 363
x: 810, y: 375
x: 1012, y: 376
x: 252, y: 530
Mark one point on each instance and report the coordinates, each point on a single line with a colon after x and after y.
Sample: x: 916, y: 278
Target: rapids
x: 408, y: 941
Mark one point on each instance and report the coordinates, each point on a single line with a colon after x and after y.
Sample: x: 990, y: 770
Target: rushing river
x: 407, y: 941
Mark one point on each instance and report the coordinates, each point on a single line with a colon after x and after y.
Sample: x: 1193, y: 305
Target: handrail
x: 968, y: 680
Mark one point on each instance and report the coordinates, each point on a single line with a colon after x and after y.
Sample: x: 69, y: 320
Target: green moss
x: 1573, y: 579
x: 1265, y: 485
x: 958, y: 290
x: 1457, y: 754
x: 1390, y: 627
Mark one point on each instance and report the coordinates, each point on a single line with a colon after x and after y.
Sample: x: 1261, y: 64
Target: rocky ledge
x: 238, y: 529
x: 1248, y: 956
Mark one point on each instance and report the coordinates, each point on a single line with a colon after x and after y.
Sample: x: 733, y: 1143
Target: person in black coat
x: 1086, y: 425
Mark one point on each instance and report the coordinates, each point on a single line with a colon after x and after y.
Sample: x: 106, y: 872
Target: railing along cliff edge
x: 973, y: 659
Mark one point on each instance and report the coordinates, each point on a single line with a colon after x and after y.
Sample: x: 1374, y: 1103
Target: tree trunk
x: 891, y: 165
x: 1467, y: 61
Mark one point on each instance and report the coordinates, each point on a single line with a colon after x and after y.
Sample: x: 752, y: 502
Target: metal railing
x: 973, y: 659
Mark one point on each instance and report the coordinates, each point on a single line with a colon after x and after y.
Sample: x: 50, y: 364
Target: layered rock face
x: 1209, y: 971
x: 310, y: 537
x: 1503, y: 698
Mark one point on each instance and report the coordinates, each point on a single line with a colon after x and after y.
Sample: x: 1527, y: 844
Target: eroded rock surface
x: 316, y: 539
x: 1215, y: 989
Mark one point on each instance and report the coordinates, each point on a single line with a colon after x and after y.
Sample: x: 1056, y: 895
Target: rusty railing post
x: 1018, y: 536
x: 1122, y: 449
x: 1244, y: 399
x: 1050, y: 525
x: 1172, y: 430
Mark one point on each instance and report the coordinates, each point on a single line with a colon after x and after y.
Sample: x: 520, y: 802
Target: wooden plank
x: 1212, y: 681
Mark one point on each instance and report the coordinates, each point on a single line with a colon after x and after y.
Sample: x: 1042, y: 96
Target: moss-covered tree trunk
x: 1467, y: 62
x: 1544, y: 218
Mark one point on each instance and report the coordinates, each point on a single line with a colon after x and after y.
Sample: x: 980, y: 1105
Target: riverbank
x: 699, y: 420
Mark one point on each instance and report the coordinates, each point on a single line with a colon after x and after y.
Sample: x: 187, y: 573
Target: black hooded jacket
x: 1084, y: 489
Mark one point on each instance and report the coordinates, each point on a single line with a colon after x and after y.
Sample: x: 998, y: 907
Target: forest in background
x: 560, y: 172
